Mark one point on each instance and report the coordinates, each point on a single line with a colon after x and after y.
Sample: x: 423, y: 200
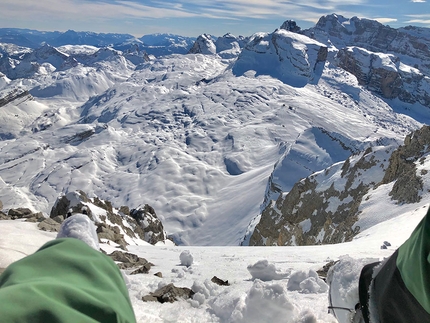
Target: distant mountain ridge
x: 153, y: 44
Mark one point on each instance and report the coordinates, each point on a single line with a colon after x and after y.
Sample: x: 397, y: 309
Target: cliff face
x: 393, y: 63
x: 413, y: 42
x: 325, y: 207
x: 385, y: 75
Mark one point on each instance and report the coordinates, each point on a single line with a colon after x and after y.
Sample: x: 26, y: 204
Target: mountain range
x: 278, y: 138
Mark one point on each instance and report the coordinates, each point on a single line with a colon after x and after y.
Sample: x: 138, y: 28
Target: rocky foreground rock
x: 113, y: 225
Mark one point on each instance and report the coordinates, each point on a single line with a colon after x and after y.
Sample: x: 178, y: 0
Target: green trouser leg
x: 64, y: 281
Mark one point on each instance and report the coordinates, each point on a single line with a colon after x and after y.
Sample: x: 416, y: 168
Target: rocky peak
x: 290, y: 25
x: 375, y: 37
x: 204, y: 44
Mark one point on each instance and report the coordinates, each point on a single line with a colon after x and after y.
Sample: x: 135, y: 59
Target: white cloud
x: 420, y: 1
x: 80, y: 10
x: 419, y: 21
x: 385, y: 20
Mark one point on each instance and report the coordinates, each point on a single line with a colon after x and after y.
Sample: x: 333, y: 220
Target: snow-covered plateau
x: 295, y: 137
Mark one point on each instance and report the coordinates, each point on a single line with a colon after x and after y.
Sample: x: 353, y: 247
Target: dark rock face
x: 169, y: 293
x: 151, y: 225
x: 290, y: 25
x: 402, y: 167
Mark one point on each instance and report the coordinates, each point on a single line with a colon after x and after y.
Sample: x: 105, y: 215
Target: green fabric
x: 64, y: 281
x: 413, y: 262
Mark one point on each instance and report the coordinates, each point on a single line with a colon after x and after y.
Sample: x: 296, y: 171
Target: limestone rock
x: 4, y: 216
x: 402, y: 167
x: 140, y: 223
x: 169, y: 293
x: 219, y: 281
x: 20, y: 213
x: 49, y: 225
x: 142, y: 270
x: 128, y: 260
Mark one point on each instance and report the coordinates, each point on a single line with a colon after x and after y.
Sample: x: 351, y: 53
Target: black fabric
x: 363, y: 289
x: 394, y: 302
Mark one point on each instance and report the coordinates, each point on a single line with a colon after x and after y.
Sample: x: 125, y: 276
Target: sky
x: 195, y: 17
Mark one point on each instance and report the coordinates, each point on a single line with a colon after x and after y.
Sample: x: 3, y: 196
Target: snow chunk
x: 306, y: 225
x: 307, y: 282
x: 186, y: 258
x: 265, y: 303
x: 264, y: 271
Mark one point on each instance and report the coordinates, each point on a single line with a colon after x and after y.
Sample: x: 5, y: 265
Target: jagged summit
x: 204, y: 44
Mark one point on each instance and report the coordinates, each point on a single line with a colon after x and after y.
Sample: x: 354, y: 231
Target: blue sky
x: 194, y: 17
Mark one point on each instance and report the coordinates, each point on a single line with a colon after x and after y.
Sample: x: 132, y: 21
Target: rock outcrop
x: 149, y: 222
x: 169, y: 294
x: 390, y: 62
x: 113, y: 224
x: 403, y: 167
x: 127, y: 260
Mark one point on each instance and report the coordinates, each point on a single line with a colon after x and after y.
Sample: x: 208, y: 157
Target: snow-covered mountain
x: 208, y: 140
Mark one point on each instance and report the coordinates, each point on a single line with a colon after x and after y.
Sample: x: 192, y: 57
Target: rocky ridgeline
x: 385, y: 75
x: 390, y: 62
x: 120, y: 226
x: 324, y: 207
